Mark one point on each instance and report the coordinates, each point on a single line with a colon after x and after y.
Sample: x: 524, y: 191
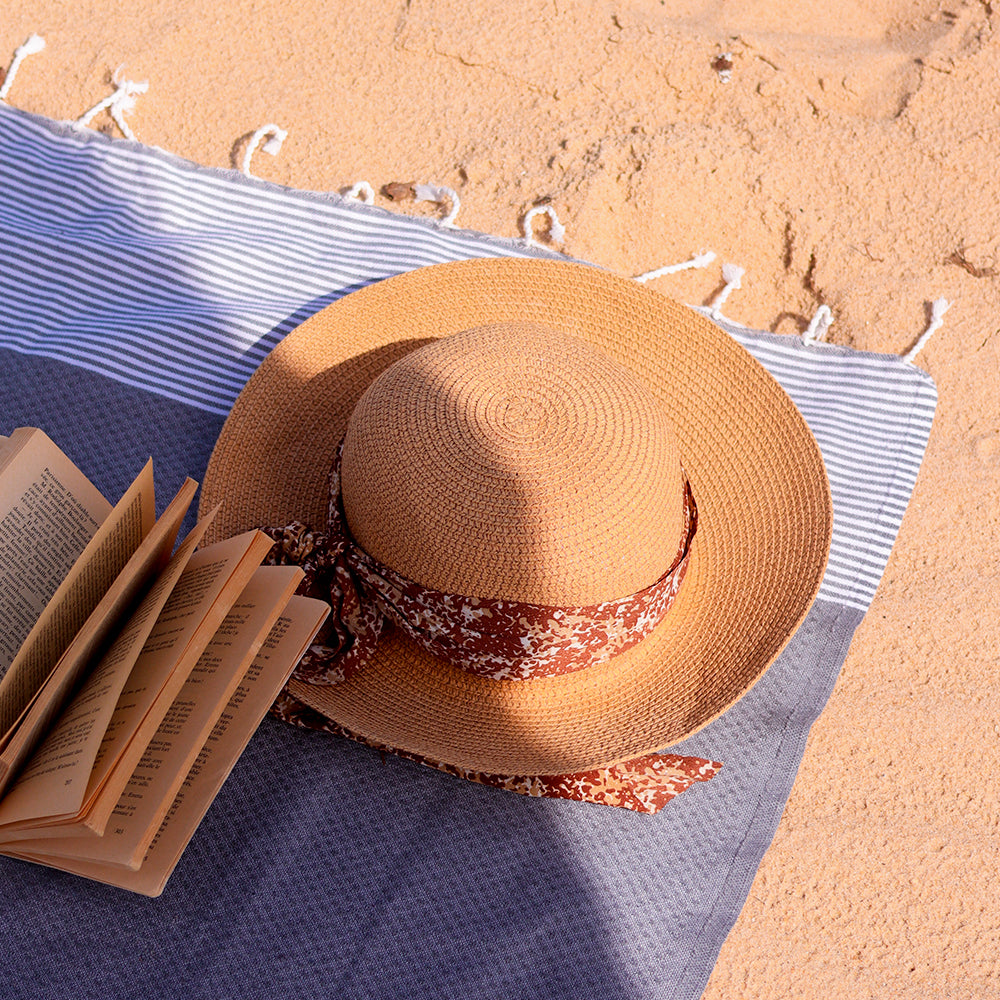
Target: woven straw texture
x: 764, y: 513
x: 515, y: 462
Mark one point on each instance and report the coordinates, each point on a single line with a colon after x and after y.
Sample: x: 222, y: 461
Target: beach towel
x: 139, y: 292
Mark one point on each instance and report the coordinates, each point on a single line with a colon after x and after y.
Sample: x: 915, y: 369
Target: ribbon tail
x: 645, y: 784
x: 289, y: 709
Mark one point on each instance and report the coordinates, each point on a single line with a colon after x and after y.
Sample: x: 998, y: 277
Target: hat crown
x: 514, y: 461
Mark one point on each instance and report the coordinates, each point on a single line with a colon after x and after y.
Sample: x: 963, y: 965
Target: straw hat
x: 537, y: 456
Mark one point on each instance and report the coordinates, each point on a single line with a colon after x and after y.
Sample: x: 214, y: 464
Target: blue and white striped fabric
x: 184, y: 292
x: 863, y: 410
x: 139, y: 292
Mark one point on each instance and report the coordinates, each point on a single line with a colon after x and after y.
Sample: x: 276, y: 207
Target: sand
x: 848, y: 161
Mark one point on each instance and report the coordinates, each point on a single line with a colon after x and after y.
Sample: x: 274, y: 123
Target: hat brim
x: 765, y: 514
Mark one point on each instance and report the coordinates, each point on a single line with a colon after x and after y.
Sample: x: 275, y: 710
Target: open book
x: 132, y: 675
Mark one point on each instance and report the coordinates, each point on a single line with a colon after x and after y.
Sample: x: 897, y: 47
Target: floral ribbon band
x: 644, y: 784
x: 499, y: 639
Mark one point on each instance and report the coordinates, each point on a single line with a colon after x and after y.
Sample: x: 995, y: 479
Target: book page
x: 157, y: 681
x: 271, y: 668
x: 93, y: 573
x: 49, y: 511
x: 54, y: 783
x: 185, y: 728
x: 148, y: 561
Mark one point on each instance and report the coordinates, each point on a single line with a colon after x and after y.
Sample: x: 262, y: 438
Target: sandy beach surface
x: 843, y: 153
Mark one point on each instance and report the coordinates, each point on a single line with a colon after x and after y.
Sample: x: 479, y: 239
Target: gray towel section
x: 139, y: 292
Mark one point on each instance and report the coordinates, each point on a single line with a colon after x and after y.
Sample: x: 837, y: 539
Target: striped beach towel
x: 138, y: 292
